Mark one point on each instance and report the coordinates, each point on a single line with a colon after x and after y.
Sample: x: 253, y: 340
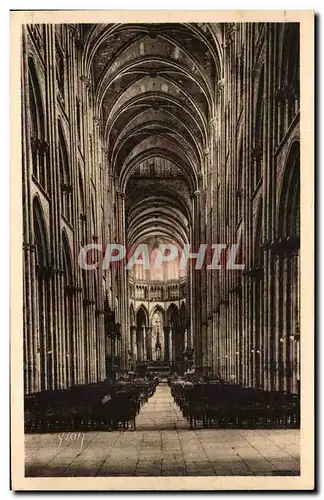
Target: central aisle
x: 161, y: 412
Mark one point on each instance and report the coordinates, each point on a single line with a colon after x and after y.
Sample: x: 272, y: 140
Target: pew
x: 220, y: 404
x: 101, y: 406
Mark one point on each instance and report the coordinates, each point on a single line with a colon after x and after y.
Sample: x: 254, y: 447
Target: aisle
x: 163, y: 445
x: 161, y: 412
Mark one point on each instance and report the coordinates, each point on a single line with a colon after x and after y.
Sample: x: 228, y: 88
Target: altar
x: 158, y: 341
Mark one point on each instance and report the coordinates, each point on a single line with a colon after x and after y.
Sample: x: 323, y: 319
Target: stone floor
x: 163, y: 445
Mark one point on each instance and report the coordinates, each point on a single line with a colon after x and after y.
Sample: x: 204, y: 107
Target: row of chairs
x: 101, y: 406
x: 231, y: 405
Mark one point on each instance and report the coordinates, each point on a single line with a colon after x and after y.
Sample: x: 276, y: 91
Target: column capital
x: 85, y: 80
x: 44, y: 147
x: 73, y: 30
x: 67, y: 188
x: 46, y: 272
x: 35, y: 144
x: 196, y: 193
x: 213, y: 122
x: 105, y: 150
x: 79, y: 43
x: 221, y: 84
x: 121, y: 194
x: 96, y: 120
x: 29, y: 247
x: 230, y: 34
x: 256, y: 153
x: 72, y: 289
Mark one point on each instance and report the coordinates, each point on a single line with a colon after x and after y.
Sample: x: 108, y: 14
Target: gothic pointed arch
x: 173, y: 315
x: 183, y: 314
x: 132, y: 315
x: 39, y: 146
x: 142, y: 315
x: 45, y: 361
x: 158, y: 308
x: 289, y: 205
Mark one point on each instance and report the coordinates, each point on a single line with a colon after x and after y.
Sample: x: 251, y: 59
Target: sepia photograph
x: 162, y: 185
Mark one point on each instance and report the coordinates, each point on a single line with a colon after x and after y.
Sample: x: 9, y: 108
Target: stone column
x: 170, y: 345
x: 149, y: 342
x: 123, y: 288
x: 285, y: 344
x: 278, y: 332
x: 195, y: 292
x: 166, y: 331
x: 29, y: 264
x: 56, y: 322
x: 134, y: 345
x: 144, y: 344
x: 139, y: 349
x: 80, y: 338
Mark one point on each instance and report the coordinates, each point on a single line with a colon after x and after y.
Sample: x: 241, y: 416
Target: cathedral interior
x: 158, y: 134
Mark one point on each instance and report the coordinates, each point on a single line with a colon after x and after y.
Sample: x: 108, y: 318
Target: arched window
x: 173, y: 315
x: 66, y: 181
x: 141, y: 341
x: 141, y: 317
x: 157, y: 341
x: 39, y: 146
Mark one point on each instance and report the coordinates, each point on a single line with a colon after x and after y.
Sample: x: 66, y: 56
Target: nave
x: 140, y: 141
x: 163, y: 445
x: 152, y: 135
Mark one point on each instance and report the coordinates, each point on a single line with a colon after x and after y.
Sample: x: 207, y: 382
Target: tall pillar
x: 195, y: 278
x: 139, y: 349
x: 170, y: 345
x: 134, y: 345
x: 204, y: 353
x: 123, y: 287
x: 278, y: 321
x: 144, y: 344
x: 149, y: 343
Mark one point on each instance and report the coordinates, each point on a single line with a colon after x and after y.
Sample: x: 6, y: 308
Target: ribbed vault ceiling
x: 154, y: 94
